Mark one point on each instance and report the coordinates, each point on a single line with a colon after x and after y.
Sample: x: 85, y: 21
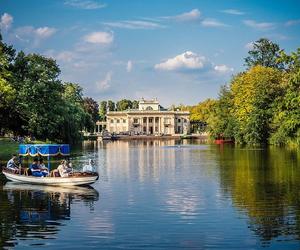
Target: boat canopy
x: 44, y: 149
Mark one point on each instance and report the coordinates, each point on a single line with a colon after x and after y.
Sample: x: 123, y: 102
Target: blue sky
x: 179, y: 51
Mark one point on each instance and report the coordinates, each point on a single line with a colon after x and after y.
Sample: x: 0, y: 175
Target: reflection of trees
x: 36, y: 212
x: 264, y: 184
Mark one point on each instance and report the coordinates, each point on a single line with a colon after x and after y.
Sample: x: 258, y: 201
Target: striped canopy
x: 44, y: 149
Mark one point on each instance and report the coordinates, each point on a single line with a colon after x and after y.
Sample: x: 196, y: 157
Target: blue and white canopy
x: 44, y: 149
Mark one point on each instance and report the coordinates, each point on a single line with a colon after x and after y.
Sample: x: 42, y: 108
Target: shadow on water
x: 29, y: 212
x: 264, y: 184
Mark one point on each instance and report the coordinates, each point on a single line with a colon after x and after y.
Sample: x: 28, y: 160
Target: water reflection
x: 264, y: 184
x: 31, y: 212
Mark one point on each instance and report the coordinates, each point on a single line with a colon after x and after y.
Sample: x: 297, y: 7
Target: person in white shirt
x: 12, y: 163
x: 64, y: 169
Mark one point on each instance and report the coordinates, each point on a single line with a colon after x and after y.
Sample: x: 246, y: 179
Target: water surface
x: 162, y: 195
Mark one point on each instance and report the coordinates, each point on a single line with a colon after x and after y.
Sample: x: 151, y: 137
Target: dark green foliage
x: 264, y: 53
x: 34, y: 101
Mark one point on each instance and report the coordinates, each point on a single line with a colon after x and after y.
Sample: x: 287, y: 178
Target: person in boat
x: 12, y: 164
x: 36, y: 170
x: 64, y: 169
x: 42, y: 166
x: 90, y: 167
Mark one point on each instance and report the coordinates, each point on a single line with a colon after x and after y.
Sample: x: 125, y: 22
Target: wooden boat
x: 75, y: 178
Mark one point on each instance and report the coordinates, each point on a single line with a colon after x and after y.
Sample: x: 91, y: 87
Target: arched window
x: 149, y: 108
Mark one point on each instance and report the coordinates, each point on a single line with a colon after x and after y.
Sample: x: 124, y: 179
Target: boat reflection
x: 30, y: 212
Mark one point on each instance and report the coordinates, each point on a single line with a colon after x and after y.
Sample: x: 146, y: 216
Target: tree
x: 124, y: 104
x: 76, y: 119
x: 91, y: 107
x: 39, y: 95
x: 111, y: 105
x: 7, y: 91
x: 135, y: 104
x: 253, y: 94
x: 102, y: 110
x: 264, y: 53
x: 221, y: 122
x: 286, y: 122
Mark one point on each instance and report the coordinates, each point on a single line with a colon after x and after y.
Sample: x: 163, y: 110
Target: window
x: 124, y: 120
x: 184, y: 120
x: 144, y: 120
x: 149, y: 108
x: 156, y: 129
x: 150, y: 120
x: 179, y: 120
x: 135, y: 120
x: 179, y: 129
x: 156, y: 119
x: 144, y: 129
x: 118, y: 121
x: 111, y: 120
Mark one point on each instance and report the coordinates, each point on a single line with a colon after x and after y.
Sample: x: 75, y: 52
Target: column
x: 159, y: 125
x: 147, y: 126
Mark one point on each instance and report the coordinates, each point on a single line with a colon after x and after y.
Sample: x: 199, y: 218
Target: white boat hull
x: 65, y: 181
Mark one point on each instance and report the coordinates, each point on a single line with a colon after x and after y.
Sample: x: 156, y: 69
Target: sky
x: 178, y: 51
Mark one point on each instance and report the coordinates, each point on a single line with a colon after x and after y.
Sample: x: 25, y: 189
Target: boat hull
x: 56, y: 181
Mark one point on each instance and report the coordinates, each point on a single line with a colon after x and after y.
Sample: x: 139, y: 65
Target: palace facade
x: 149, y: 119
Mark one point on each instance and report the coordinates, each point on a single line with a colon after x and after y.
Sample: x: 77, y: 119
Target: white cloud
x: 135, y: 25
x: 6, y: 21
x: 105, y: 83
x: 85, y: 4
x: 44, y: 32
x: 129, y: 66
x: 223, y: 68
x: 33, y: 35
x: 211, y: 22
x: 185, y: 61
x: 187, y: 16
x: 292, y: 22
x: 99, y: 37
x: 233, y: 12
x: 259, y: 26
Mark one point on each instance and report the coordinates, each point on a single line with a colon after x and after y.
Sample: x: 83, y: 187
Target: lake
x: 162, y: 194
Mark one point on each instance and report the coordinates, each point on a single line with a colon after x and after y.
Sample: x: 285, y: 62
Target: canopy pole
x: 48, y: 163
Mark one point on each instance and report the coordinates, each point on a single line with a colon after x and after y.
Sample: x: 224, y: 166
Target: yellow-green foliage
x: 202, y: 110
x: 255, y: 88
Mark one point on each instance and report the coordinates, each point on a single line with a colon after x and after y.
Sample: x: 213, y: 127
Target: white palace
x: 149, y: 119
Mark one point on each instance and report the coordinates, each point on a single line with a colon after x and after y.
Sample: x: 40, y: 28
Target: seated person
x: 42, y: 166
x: 12, y: 164
x: 89, y: 168
x: 35, y: 169
x: 64, y: 169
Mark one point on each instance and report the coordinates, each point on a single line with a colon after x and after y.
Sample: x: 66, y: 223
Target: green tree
x: 124, y: 104
x: 102, y: 110
x: 286, y: 122
x: 253, y: 94
x: 91, y: 107
x: 135, y: 104
x: 221, y: 122
x: 111, y: 105
x: 39, y: 95
x: 264, y: 53
x: 7, y: 91
x: 76, y: 119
